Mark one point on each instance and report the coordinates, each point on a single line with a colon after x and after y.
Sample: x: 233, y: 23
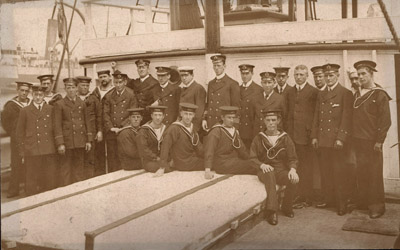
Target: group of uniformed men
x: 273, y: 131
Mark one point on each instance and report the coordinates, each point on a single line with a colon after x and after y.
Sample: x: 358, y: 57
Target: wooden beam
x: 212, y: 27
x: 354, y: 8
x: 344, y: 8
x: 292, y: 15
x: 397, y: 79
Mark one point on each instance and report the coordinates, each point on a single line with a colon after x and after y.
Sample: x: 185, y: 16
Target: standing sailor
x: 9, y: 121
x: 100, y: 144
x: 95, y: 117
x: 268, y: 100
x: 116, y: 116
x: 47, y: 81
x: 149, y: 140
x: 192, y: 92
x: 143, y: 86
x: 73, y: 134
x: 301, y: 107
x: 128, y: 146
x: 35, y: 136
x: 371, y: 122
x: 249, y: 91
x: 319, y: 77
x: 330, y: 132
x: 166, y: 94
x: 222, y: 91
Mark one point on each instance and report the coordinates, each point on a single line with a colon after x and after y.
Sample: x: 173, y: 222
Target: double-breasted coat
x: 221, y: 92
x: 169, y: 97
x: 247, y: 122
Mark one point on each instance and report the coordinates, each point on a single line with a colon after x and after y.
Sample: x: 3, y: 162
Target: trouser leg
x: 48, y: 173
x: 65, y: 168
x: 78, y: 173
x: 282, y: 178
x: 270, y: 187
x: 33, y: 164
x: 100, y: 158
x: 16, y: 169
x: 362, y: 159
x: 305, y: 171
x: 112, y: 156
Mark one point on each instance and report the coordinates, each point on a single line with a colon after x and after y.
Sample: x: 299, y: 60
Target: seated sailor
x: 127, y: 141
x: 274, y: 152
x: 181, y: 142
x: 149, y: 139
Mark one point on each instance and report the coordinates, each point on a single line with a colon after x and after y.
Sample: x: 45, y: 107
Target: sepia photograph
x: 199, y: 124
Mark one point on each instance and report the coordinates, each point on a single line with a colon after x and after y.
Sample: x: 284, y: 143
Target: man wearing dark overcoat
x: 192, y: 92
x: 73, y: 134
x: 35, y: 136
x: 222, y: 91
x: 99, y: 92
x: 249, y: 91
x: 282, y: 88
x: 95, y: 111
x: 116, y: 116
x: 301, y: 107
x: 371, y: 122
x: 142, y: 87
x: 9, y: 121
x: 166, y: 94
x: 330, y: 132
x: 269, y: 99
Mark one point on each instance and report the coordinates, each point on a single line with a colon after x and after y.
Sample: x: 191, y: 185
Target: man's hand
x: 204, y: 125
x: 266, y: 168
x: 314, y: 143
x: 115, y: 130
x: 378, y: 147
x: 338, y: 144
x: 159, y: 173
x: 208, y: 174
x: 61, y: 149
x: 99, y: 136
x: 88, y: 146
x: 293, y: 176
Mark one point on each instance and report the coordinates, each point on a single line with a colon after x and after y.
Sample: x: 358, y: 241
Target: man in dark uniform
x: 116, y: 116
x: 269, y: 99
x: 282, y: 88
x: 95, y: 110
x: 371, y: 122
x: 273, y: 151
x: 73, y: 134
x: 100, y: 144
x: 319, y: 77
x: 330, y: 132
x: 149, y: 138
x: 36, y: 144
x: 222, y: 91
x: 301, y: 107
x: 142, y: 87
x: 249, y: 91
x: 127, y: 141
x: 225, y: 153
x: 192, y: 92
x: 9, y: 120
x: 166, y: 94
x: 181, y: 143
x: 50, y: 97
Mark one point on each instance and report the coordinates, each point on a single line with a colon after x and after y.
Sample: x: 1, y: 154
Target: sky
x: 25, y: 23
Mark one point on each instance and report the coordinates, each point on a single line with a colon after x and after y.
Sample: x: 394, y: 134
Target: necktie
x: 280, y: 90
x: 40, y: 107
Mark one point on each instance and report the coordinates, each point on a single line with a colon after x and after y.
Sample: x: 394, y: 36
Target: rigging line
x: 389, y: 23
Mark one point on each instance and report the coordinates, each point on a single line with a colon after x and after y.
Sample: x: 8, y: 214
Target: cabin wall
x: 266, y: 61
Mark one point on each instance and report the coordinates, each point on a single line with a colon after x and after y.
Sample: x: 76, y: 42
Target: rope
x: 389, y: 23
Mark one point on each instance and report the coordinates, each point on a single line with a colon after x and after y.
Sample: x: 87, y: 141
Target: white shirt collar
x: 37, y: 105
x: 186, y: 86
x: 323, y: 88
x: 333, y: 87
x: 221, y: 76
x: 265, y: 95
x: 165, y: 85
x: 300, y: 86
x: 120, y: 93
x: 247, y: 84
x: 144, y: 78
x: 231, y: 130
x: 283, y: 87
x: 190, y: 129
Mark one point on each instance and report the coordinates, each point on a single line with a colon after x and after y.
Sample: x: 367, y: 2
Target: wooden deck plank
x: 62, y: 224
x: 190, y: 222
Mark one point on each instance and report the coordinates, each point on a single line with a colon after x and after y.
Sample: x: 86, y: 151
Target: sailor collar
x: 194, y: 137
x: 21, y: 104
x: 272, y: 153
x: 236, y: 143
